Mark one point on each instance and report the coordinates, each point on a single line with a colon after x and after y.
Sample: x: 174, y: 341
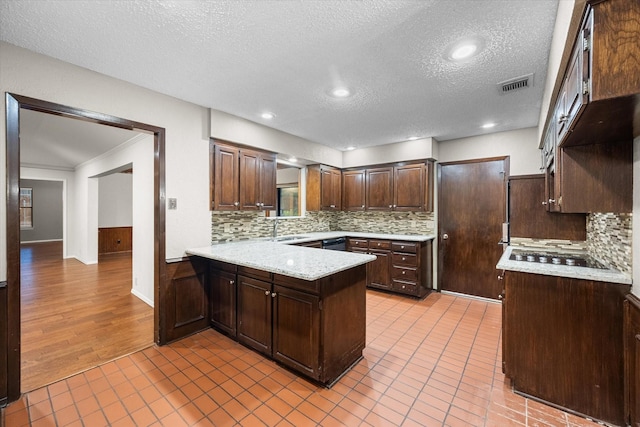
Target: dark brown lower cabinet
x: 563, y: 342
x: 187, y: 300
x: 222, y: 299
x: 316, y: 328
x: 379, y: 275
x: 632, y: 360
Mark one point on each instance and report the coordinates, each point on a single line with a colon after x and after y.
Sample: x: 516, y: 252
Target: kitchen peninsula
x: 303, y: 307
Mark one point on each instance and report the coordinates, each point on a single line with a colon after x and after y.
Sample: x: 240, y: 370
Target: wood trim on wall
x: 14, y: 103
x: 114, y: 239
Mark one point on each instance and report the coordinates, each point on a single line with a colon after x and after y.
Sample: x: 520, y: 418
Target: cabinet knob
x: 395, y: 206
x: 273, y: 295
x: 404, y: 272
x: 261, y: 204
x: 500, y: 296
x: 362, y: 206
x: 378, y: 244
x: 332, y: 206
x: 231, y: 282
x: 403, y: 258
x: 552, y: 201
x: 445, y: 236
x: 390, y: 206
x: 236, y: 203
x: 403, y: 286
x: 500, y: 277
x: 402, y: 247
x: 544, y: 203
x: 267, y: 293
x: 258, y: 204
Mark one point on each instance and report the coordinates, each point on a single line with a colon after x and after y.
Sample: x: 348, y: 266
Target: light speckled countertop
x: 296, y: 261
x: 574, y: 272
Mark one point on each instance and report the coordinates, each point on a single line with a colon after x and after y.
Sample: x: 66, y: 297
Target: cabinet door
x: 249, y: 180
x: 573, y: 91
x: 379, y: 271
x: 409, y: 183
x: 330, y: 187
x: 268, y: 189
x: 353, y: 190
x: 379, y: 188
x: 296, y: 330
x: 225, y: 178
x: 223, y: 301
x: 254, y: 314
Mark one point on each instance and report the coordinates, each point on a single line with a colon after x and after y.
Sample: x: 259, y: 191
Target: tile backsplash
x: 229, y: 226
x: 609, y: 239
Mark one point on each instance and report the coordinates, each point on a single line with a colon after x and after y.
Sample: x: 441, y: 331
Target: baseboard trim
x: 457, y: 294
x: 142, y: 297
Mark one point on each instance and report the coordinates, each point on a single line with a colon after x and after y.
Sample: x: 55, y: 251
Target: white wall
x: 187, y: 135
x: 68, y: 184
x: 560, y: 33
x: 139, y: 153
x: 115, y: 200
x: 235, y: 129
x: 389, y: 153
x: 521, y: 145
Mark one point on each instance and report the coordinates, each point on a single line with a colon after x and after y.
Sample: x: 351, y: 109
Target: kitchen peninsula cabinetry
x: 299, y: 323
x: 241, y: 178
x: 400, y: 267
x: 324, y: 188
x: 222, y: 297
x: 561, y: 342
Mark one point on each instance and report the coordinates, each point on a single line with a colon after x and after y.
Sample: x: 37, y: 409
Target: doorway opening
x: 85, y: 251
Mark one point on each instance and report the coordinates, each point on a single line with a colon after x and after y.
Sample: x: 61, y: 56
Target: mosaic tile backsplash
x: 231, y: 226
x: 609, y: 239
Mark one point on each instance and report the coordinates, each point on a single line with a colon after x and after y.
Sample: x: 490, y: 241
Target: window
x: 288, y: 201
x: 26, y: 208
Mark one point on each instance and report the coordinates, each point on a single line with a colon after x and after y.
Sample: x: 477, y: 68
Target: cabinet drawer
x: 357, y: 243
x: 410, y: 274
x: 255, y: 273
x: 379, y: 244
x: 223, y: 266
x: 410, y: 247
x: 405, y: 287
x: 409, y: 260
x: 299, y: 284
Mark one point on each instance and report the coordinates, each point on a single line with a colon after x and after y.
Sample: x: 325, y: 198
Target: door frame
x: 13, y: 104
x: 507, y: 171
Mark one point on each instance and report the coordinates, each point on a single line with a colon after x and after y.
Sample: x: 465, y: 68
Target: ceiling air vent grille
x: 518, y: 83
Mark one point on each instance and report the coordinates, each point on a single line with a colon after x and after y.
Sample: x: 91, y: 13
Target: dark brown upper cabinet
x: 400, y: 187
x: 241, y: 178
x: 324, y: 188
x: 379, y: 189
x: 528, y: 216
x: 353, y: 190
x: 588, y: 139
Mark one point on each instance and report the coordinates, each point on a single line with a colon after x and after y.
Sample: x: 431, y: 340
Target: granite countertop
x: 275, y: 257
x: 310, y: 237
x: 574, y: 272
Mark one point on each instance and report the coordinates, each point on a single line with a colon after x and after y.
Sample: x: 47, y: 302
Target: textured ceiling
x: 245, y: 57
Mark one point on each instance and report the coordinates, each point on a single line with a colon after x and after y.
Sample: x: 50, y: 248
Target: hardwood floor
x: 76, y: 316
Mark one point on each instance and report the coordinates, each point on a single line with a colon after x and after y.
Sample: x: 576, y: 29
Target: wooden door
x: 409, y: 187
x: 296, y: 330
x: 225, y: 178
x: 472, y: 209
x: 249, y: 180
x: 254, y: 314
x: 353, y: 190
x: 379, y: 188
x: 268, y: 188
x: 223, y: 300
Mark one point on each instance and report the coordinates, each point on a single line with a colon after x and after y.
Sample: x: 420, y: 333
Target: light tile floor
x: 433, y: 362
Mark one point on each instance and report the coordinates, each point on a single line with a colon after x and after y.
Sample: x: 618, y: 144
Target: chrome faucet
x: 275, y: 229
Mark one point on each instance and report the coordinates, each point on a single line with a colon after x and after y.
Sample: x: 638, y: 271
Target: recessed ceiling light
x: 350, y: 148
x: 293, y: 159
x: 464, y: 49
x: 488, y: 125
x: 413, y: 138
x: 341, y: 92
x: 267, y: 115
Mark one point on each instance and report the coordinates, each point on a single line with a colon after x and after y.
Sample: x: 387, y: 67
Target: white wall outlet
x: 173, y: 203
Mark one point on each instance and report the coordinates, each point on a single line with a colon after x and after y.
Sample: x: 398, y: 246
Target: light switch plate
x: 173, y: 204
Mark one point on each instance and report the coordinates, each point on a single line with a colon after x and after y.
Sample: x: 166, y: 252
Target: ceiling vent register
x: 519, y: 83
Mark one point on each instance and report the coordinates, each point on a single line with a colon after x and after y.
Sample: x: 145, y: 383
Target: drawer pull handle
x: 401, y: 246
x: 404, y: 259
